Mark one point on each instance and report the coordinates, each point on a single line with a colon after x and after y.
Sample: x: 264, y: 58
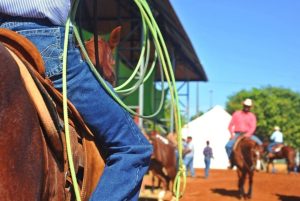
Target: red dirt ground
x: 222, y: 186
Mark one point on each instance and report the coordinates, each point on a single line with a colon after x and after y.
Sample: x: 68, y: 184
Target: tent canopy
x: 211, y: 126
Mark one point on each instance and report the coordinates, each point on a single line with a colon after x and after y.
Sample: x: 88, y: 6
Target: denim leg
x: 192, y: 167
x: 256, y: 139
x: 188, y: 162
x: 229, y: 145
x: 207, y: 166
x: 126, y: 151
x: 270, y: 147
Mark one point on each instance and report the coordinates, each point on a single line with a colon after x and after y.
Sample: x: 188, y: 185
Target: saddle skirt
x: 48, y: 103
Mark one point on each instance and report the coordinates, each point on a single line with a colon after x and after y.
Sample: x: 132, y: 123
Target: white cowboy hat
x: 276, y: 128
x: 248, y: 102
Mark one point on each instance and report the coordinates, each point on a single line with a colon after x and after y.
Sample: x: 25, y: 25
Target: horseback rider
x: 276, y: 138
x: 124, y: 148
x: 243, y: 123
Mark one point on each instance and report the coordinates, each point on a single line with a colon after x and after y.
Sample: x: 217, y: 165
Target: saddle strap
x: 240, y: 138
x: 40, y: 106
x: 29, y: 54
x: 23, y: 48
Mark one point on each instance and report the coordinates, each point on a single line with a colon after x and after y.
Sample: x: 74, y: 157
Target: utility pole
x: 197, y: 98
x: 211, y: 98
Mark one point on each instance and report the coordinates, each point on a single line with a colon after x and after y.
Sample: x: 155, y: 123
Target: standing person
x: 276, y: 138
x: 208, y: 155
x: 189, y: 156
x: 243, y: 122
x: 124, y: 148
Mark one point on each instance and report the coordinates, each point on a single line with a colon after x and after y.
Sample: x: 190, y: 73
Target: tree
x: 196, y: 115
x: 272, y: 106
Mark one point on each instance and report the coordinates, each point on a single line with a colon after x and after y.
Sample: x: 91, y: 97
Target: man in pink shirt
x: 243, y: 122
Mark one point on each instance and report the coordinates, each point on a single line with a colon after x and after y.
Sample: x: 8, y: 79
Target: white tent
x: 211, y: 126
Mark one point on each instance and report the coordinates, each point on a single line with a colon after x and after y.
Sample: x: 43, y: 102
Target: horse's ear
x: 114, y: 38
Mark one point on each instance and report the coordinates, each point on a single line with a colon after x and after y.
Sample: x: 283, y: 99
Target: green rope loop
x: 164, y: 60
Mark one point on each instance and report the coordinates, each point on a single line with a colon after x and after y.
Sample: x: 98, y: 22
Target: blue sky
x: 242, y: 44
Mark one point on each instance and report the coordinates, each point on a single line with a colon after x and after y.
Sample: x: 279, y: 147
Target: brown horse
x: 163, y: 161
x: 281, y: 151
x: 33, y: 161
x: 245, y: 154
x: 105, y: 55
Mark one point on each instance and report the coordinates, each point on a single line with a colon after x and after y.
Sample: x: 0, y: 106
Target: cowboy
x: 124, y: 148
x: 208, y: 155
x: 276, y: 138
x: 243, y: 123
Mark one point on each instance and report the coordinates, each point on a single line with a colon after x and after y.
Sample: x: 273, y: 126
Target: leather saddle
x: 49, y: 108
x: 277, y: 147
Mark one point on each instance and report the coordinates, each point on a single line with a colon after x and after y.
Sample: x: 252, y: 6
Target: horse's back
x: 22, y: 145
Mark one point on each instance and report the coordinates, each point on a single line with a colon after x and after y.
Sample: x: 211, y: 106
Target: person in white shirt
x: 276, y: 138
x: 188, y: 159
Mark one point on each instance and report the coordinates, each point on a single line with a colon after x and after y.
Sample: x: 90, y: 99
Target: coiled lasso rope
x: 164, y: 59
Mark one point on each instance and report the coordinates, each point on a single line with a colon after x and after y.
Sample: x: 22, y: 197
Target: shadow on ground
x: 224, y: 192
x: 288, y: 197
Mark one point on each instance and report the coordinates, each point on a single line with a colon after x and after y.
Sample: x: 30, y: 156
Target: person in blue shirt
x: 125, y: 149
x: 208, y: 155
x: 276, y: 138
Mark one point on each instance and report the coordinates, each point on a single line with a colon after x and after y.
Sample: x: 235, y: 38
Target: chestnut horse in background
x: 281, y: 151
x: 245, y: 155
x: 33, y: 161
x: 163, y: 161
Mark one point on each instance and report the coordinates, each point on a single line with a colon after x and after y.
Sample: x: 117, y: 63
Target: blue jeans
x: 126, y: 151
x: 271, y: 145
x: 230, y: 143
x: 189, y: 164
x: 207, y: 166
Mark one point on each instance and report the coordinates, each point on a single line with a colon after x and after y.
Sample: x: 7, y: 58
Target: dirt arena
x: 222, y: 186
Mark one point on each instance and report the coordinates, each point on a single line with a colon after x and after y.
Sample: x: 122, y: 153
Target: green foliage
x: 272, y: 106
x: 196, y: 115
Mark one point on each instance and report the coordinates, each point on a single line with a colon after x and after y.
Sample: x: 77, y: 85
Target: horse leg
x: 241, y: 182
x: 291, y: 163
x: 162, y: 179
x: 249, y: 194
x: 270, y: 162
x: 273, y: 167
x: 152, y: 184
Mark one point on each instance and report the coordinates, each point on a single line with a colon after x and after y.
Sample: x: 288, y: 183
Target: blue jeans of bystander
x: 207, y: 165
x: 189, y: 165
